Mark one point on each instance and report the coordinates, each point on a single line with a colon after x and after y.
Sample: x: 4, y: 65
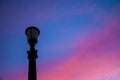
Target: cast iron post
x: 32, y: 35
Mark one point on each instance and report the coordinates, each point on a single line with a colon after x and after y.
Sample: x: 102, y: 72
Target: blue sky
x: 73, y: 32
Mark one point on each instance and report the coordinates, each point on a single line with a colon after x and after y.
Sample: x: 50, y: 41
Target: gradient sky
x: 79, y: 40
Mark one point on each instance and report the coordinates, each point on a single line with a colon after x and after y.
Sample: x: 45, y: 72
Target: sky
x: 79, y: 40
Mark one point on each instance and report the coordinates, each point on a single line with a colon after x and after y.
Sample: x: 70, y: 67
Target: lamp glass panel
x: 32, y: 34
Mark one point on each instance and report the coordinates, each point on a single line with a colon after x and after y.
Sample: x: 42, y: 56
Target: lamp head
x: 32, y: 34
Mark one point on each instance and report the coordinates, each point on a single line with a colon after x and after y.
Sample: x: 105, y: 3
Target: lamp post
x: 32, y: 34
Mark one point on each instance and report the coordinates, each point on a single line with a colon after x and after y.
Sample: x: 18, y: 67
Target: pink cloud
x: 96, y: 56
x: 76, y: 68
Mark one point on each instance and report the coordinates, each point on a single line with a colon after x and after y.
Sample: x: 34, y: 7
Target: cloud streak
x: 95, y: 58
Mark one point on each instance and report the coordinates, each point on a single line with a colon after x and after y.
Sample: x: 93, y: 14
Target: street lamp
x: 32, y: 34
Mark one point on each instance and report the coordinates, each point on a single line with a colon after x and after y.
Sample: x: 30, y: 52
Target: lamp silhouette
x: 32, y: 34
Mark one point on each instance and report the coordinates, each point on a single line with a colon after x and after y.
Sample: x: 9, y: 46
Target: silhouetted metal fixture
x: 32, y: 34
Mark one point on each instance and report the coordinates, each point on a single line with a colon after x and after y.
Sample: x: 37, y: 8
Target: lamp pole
x: 32, y: 34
